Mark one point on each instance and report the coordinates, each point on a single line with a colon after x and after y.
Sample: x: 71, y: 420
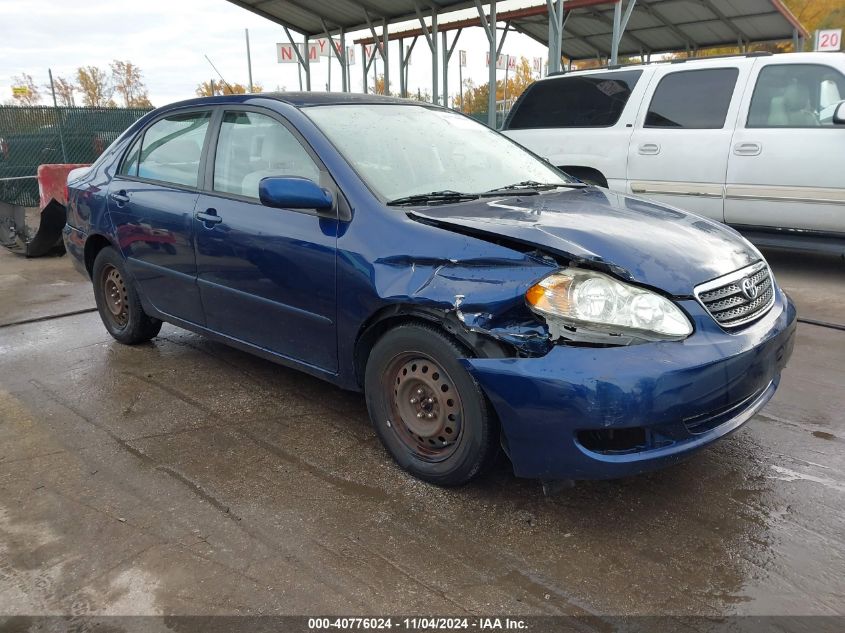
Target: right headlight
x: 595, y: 302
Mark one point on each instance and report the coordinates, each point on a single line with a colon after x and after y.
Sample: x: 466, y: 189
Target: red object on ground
x: 52, y: 182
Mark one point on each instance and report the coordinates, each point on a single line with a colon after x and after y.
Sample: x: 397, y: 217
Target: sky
x: 168, y: 40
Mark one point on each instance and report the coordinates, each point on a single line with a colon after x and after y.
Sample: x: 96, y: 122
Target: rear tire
x: 118, y: 302
x: 427, y: 409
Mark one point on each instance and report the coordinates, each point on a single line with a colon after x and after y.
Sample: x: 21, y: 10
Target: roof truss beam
x: 742, y: 37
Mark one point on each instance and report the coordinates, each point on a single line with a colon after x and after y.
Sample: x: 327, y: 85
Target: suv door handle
x: 748, y: 149
x: 120, y: 197
x: 209, y: 217
x: 649, y: 148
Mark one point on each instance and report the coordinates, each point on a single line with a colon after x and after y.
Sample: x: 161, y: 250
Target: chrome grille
x: 726, y: 301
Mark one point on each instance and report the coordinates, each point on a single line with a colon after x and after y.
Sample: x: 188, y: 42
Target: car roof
x: 800, y: 57
x: 300, y: 99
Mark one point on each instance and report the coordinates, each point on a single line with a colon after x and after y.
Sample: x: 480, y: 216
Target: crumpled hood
x: 642, y: 241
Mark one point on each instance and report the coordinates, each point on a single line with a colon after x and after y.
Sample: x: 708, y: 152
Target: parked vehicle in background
x: 478, y: 296
x: 754, y: 140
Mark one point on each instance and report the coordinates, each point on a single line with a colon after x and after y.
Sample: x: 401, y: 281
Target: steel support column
x: 401, y: 67
x: 490, y: 29
x: 407, y: 63
x: 620, y: 23
x: 342, y: 57
x: 385, y: 55
x: 616, y: 35
x: 447, y: 56
x: 366, y: 63
x: 307, y: 66
x: 555, y: 11
x: 430, y: 33
x: 302, y: 62
x: 364, y: 67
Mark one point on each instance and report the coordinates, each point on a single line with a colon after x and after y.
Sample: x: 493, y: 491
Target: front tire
x: 118, y: 302
x: 427, y: 409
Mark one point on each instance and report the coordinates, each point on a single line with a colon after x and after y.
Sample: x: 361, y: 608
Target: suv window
x: 172, y: 147
x: 796, y: 95
x: 579, y: 101
x: 253, y: 146
x: 693, y: 99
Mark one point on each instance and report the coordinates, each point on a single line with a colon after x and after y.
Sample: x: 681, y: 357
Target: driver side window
x: 253, y: 146
x: 796, y: 96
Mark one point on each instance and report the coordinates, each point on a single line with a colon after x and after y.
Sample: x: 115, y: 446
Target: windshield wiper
x: 446, y: 195
x: 533, y: 185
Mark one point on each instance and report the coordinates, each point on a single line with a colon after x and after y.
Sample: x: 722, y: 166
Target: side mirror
x: 293, y: 192
x: 839, y: 114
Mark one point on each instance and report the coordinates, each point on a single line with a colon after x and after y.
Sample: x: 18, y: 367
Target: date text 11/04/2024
x: 417, y: 623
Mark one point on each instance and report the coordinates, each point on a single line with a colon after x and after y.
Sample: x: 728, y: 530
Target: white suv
x: 756, y: 141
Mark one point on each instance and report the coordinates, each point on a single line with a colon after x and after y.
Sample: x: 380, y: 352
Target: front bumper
x: 563, y: 414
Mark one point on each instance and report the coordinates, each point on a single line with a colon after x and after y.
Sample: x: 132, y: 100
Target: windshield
x: 406, y: 150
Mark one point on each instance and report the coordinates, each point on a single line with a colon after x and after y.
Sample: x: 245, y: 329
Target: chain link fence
x: 33, y: 136
x: 482, y: 117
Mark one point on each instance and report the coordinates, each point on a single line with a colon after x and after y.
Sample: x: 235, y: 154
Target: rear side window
x: 130, y: 161
x: 693, y: 99
x: 578, y: 101
x: 172, y: 147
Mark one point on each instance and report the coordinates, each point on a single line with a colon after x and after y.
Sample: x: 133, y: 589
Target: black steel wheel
x: 426, y: 407
x: 115, y: 296
x: 428, y: 411
x: 118, y: 302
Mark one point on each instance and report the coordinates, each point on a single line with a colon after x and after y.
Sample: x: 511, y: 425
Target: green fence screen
x: 33, y: 136
x: 482, y: 117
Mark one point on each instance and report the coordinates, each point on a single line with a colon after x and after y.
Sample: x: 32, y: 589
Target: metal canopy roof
x: 314, y: 17
x: 658, y: 26
x: 591, y: 28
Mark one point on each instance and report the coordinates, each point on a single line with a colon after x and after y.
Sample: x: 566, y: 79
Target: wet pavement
x: 183, y: 476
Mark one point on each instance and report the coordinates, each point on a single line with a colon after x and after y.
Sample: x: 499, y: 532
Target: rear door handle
x: 209, y: 217
x: 649, y: 148
x: 748, y: 149
x: 120, y: 197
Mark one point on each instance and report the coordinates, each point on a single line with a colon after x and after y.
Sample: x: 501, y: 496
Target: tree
x: 475, y: 97
x: 834, y: 20
x: 206, y: 89
x: 95, y: 86
x: 128, y: 82
x: 64, y: 91
x: 815, y: 14
x: 420, y: 95
x: 379, y: 87
x: 32, y: 95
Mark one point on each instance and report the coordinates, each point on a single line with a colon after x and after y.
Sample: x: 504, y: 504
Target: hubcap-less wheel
x: 115, y: 295
x: 427, y: 412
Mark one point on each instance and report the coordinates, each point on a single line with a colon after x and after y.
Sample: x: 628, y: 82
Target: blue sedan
x: 479, y: 297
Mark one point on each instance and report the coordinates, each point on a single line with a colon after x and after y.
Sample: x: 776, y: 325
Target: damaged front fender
x: 483, y: 296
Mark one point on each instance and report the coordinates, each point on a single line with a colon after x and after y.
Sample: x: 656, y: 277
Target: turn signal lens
x: 535, y: 294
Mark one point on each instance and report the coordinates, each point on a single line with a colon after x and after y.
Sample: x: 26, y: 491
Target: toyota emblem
x: 750, y: 289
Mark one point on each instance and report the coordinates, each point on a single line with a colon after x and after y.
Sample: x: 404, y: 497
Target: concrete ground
x: 182, y: 476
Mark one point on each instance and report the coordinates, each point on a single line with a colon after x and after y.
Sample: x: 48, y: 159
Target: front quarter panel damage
x: 483, y: 295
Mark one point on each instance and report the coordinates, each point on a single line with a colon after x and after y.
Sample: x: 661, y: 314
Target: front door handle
x: 120, y: 197
x: 209, y: 217
x: 748, y: 149
x: 649, y: 148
